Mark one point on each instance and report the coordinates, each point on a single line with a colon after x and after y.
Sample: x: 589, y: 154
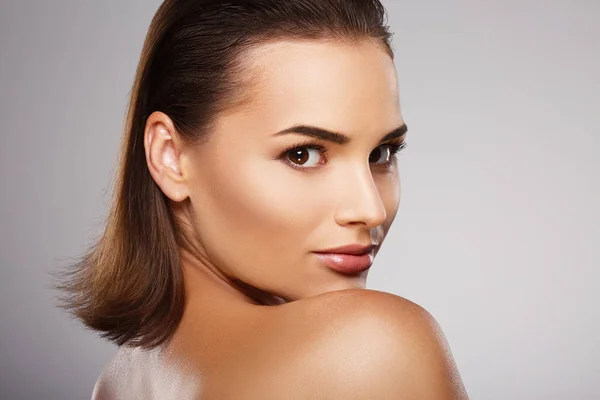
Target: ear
x: 163, y: 149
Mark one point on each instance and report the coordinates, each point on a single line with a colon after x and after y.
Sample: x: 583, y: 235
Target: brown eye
x: 381, y: 152
x: 307, y: 157
x: 299, y: 156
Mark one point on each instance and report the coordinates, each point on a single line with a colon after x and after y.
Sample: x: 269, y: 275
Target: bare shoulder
x: 107, y: 386
x: 135, y: 373
x: 361, y: 344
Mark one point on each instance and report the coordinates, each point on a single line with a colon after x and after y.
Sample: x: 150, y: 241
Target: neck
x: 205, y: 280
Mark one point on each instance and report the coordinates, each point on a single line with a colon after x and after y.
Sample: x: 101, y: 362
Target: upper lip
x: 354, y: 249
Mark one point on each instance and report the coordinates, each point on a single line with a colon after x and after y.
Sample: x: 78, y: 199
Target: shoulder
x: 364, y: 344
x: 106, y: 388
x: 144, y: 374
x: 367, y: 313
x: 111, y: 382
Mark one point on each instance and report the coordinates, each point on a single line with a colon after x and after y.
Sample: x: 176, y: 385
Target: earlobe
x: 163, y: 156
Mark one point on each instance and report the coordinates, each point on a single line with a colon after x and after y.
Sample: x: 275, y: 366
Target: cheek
x: 263, y: 205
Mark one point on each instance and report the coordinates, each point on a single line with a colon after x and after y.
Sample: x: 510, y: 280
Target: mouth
x: 353, y: 249
x: 351, y: 260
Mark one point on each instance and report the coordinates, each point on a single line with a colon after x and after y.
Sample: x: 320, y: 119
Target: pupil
x: 372, y: 158
x: 300, y: 156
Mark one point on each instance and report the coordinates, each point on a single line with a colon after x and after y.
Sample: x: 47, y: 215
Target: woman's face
x: 263, y: 203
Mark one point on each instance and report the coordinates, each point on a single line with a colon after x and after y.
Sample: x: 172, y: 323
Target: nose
x: 360, y: 202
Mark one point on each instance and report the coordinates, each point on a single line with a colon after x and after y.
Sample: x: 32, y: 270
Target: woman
x: 257, y: 182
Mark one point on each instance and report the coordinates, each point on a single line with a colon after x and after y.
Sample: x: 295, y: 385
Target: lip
x: 354, y: 249
x: 350, y: 264
x: 352, y: 259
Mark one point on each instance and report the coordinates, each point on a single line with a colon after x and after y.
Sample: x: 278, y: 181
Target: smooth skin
x: 294, y: 329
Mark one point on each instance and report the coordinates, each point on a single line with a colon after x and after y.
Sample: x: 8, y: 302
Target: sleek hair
x: 129, y: 284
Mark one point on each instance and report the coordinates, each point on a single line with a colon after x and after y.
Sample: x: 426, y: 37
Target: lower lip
x: 347, y: 263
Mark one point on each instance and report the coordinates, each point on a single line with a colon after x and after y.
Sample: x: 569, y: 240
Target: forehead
x: 337, y: 85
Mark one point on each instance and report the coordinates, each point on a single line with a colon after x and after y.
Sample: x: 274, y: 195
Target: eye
x: 309, y: 155
x: 305, y: 156
x: 381, y: 155
x: 384, y: 154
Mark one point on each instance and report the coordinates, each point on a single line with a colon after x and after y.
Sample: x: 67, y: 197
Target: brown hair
x: 129, y: 284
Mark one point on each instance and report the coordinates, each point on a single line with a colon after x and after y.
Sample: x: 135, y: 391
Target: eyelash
x: 395, y: 148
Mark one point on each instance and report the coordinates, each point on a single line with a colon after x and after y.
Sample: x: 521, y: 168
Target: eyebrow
x: 336, y: 137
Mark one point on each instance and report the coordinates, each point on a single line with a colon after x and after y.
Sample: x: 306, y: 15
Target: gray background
x: 498, y: 228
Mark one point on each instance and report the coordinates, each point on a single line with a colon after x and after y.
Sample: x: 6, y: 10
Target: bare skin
x: 265, y: 319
